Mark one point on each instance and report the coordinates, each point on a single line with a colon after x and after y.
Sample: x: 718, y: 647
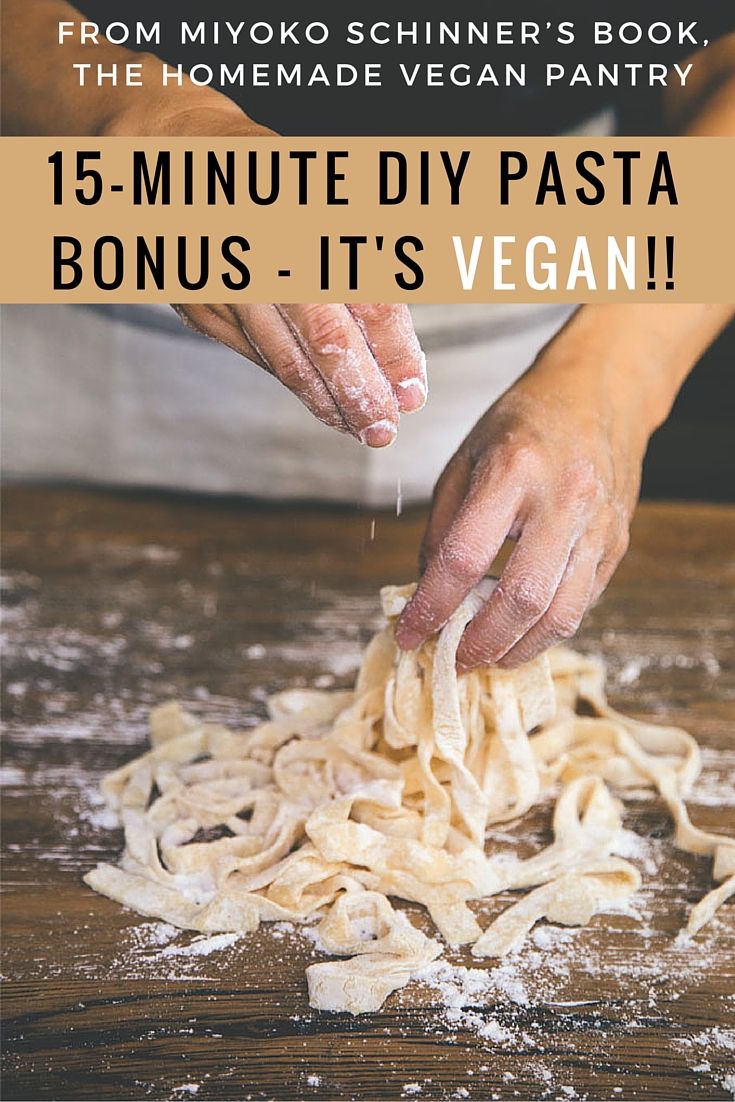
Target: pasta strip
x: 342, y: 799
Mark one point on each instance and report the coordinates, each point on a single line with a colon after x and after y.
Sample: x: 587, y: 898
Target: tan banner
x: 367, y: 219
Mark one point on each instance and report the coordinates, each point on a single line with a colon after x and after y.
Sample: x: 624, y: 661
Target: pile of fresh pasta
x: 342, y: 799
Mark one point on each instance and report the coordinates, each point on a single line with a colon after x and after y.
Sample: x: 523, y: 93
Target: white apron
x: 127, y: 395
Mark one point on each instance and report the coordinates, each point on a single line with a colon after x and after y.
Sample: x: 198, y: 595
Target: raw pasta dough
x: 342, y: 799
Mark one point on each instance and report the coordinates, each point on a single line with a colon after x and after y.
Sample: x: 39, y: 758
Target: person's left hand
x: 554, y: 464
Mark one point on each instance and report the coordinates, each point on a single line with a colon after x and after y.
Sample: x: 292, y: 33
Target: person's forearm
x: 41, y: 92
x: 716, y: 117
x: 656, y: 346
x: 706, y: 106
x: 649, y: 347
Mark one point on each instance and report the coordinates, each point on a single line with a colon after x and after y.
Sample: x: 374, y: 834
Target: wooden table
x: 115, y: 602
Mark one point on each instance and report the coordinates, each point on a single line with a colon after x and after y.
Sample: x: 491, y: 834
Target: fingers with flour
x: 279, y: 349
x: 334, y: 342
x: 462, y: 556
x: 565, y: 611
x: 391, y: 337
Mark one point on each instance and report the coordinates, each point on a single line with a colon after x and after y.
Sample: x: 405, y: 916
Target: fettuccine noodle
x: 342, y: 799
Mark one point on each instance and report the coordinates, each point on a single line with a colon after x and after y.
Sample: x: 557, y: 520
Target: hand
x: 356, y: 368
x: 555, y: 465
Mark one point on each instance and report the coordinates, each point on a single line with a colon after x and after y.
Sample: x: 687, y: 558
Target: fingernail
x: 379, y: 434
x: 411, y: 395
x: 407, y: 639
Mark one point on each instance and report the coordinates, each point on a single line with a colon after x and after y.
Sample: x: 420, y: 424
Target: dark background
x: 693, y: 454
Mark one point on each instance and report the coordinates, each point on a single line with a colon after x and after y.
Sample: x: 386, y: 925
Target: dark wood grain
x: 115, y: 602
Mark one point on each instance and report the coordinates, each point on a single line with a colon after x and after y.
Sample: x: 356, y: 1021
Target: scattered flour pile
x: 345, y: 798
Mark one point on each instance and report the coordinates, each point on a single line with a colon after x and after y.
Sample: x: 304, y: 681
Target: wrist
x: 124, y: 110
x: 192, y: 112
x: 153, y: 110
x: 634, y: 357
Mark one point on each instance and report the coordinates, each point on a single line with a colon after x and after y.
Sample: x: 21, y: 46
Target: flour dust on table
x: 344, y: 799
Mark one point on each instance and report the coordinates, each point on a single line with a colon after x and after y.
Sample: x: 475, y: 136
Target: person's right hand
x: 356, y: 368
